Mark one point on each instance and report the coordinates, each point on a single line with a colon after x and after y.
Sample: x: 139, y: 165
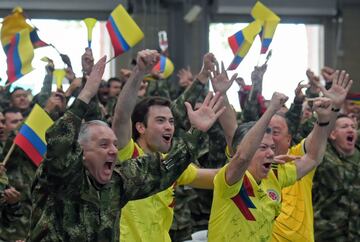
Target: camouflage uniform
x: 178, y: 108
x: 21, y: 172
x: 304, y: 130
x: 181, y: 228
x: 336, y: 197
x: 45, y: 92
x: 293, y: 117
x: 69, y: 205
x: 158, y: 88
x: 8, y: 212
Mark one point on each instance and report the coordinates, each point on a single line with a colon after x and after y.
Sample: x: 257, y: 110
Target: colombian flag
x: 20, y: 53
x: 269, y: 23
x: 31, y: 136
x: 355, y: 97
x: 241, y: 42
x: 124, y: 32
x: 16, y: 22
x: 164, y: 66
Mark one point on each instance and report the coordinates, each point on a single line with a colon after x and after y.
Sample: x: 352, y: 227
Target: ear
x: 332, y: 135
x: 289, y: 140
x: 140, y: 127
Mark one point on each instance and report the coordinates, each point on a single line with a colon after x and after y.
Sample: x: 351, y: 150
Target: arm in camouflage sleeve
x: 293, y: 115
x: 62, y: 146
x: 150, y: 174
x: 192, y: 94
x: 251, y: 110
x: 178, y: 109
x: 63, y: 151
x: 145, y: 171
x: 312, y: 91
x: 315, y: 143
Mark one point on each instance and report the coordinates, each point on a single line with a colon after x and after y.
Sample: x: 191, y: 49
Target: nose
x: 168, y: 125
x: 270, y: 153
x: 113, y: 150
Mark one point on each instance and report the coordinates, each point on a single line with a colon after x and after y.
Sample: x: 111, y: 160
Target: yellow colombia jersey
x: 246, y: 210
x: 296, y: 219
x: 149, y: 219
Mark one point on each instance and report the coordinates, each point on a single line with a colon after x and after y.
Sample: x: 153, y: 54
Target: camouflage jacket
x: 21, y: 172
x: 178, y: 109
x: 8, y: 212
x: 69, y: 205
x: 336, y: 197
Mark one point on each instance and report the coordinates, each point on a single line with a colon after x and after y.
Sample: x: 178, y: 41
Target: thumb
x: 188, y: 108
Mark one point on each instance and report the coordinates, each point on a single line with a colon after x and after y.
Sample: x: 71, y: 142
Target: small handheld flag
x: 241, y: 42
x: 90, y: 23
x: 164, y: 66
x: 124, y: 32
x: 31, y: 136
x: 269, y: 21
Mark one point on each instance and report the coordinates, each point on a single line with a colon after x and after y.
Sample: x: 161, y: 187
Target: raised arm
x: 62, y: 146
x: 150, y: 174
x: 126, y: 102
x: 251, y: 141
x: 221, y: 83
x: 192, y: 93
x: 326, y: 109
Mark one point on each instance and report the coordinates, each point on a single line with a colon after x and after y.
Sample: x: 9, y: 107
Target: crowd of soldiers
x: 145, y: 159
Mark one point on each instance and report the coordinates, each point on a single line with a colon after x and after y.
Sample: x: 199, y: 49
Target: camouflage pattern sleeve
x: 336, y: 197
x: 251, y: 107
x: 304, y: 130
x: 8, y: 212
x: 293, y: 116
x: 150, y: 174
x: 158, y: 87
x: 21, y: 172
x: 310, y: 94
x: 4, y: 182
x: 178, y: 108
x: 62, y: 142
x: 45, y: 92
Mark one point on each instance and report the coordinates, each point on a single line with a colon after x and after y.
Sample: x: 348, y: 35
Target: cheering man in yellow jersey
x: 151, y: 124
x: 247, y: 192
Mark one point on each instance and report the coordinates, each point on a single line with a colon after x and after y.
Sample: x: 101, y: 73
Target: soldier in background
x: 336, y: 193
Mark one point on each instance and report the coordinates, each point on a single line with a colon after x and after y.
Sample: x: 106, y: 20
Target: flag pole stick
x: 110, y: 59
x: 8, y: 154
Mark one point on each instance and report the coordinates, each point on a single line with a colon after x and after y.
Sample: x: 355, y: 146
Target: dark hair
x: 242, y: 130
x: 15, y: 89
x: 140, y: 113
x: 103, y: 84
x: 117, y: 79
x: 11, y: 110
x: 287, y: 121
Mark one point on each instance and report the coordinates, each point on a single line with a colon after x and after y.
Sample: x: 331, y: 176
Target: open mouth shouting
x: 167, y: 138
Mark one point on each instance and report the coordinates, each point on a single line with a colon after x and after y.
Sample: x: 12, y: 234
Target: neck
x: 257, y: 179
x: 344, y: 153
x: 143, y: 145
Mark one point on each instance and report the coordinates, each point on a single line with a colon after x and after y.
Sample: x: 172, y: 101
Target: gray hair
x: 84, y: 133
